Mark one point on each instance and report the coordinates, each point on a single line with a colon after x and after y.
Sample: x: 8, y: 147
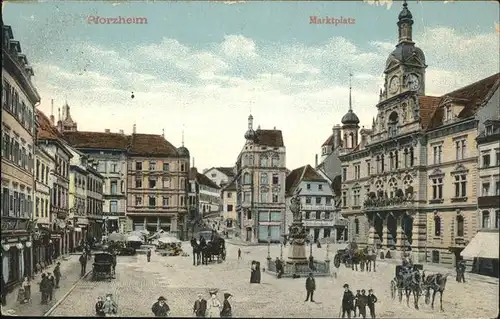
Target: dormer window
x: 449, y: 113
x: 489, y: 129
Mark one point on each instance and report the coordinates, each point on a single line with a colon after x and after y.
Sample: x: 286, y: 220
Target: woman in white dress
x: 214, y: 305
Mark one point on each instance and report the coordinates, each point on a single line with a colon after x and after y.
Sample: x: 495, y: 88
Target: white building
x: 220, y: 175
x: 319, y: 213
x: 228, y: 197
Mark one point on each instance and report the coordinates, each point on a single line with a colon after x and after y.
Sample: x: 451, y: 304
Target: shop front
x: 40, y: 244
x: 81, y: 230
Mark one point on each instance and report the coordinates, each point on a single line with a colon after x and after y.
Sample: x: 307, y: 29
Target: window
x: 152, y: 182
x: 263, y: 161
x: 437, y: 188
x: 214, y: 174
x: 276, y: 179
x: 344, y: 199
x: 308, y: 215
x: 327, y: 215
x: 138, y: 201
x: 344, y: 173
x: 318, y: 200
x: 152, y: 201
x: 166, y: 182
x: 275, y: 161
x: 497, y: 219
x: 357, y: 171
x: 263, y: 179
x: 166, y: 201
x: 368, y: 168
x: 37, y: 207
x: 249, y: 214
x: 485, y: 220
x: 101, y: 167
x: 183, y: 168
x: 308, y: 200
x: 114, y: 187
x: 460, y: 186
x: 229, y: 208
x: 356, y: 226
x: 485, y: 189
x: 114, y: 167
x: 138, y: 166
x: 435, y: 257
x: 263, y: 196
x: 460, y: 149
x: 460, y: 226
x: 246, y: 179
x: 138, y: 183
x: 497, y: 156
x: 166, y: 167
x: 328, y: 201
x: 152, y: 166
x: 320, y: 187
x: 449, y: 114
x: 382, y: 163
x: 229, y: 195
x: 486, y: 160
x: 113, y: 206
x: 318, y: 215
x: 437, y: 226
x: 356, y: 196
x: 497, y: 188
x: 438, y: 154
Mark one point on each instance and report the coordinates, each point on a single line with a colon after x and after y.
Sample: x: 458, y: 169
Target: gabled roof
x: 271, y: 138
x: 472, y: 97
x: 204, y: 180
x: 97, y: 140
x: 46, y: 131
x: 231, y: 186
x: 226, y: 170
x: 304, y: 173
x: 150, y: 145
x: 329, y: 141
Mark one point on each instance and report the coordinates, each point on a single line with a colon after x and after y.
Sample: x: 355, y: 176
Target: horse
x: 407, y: 281
x: 436, y: 282
x: 371, y: 257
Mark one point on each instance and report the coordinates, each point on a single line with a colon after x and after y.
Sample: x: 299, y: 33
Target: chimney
x: 315, y: 160
x: 274, y: 128
x: 107, y: 130
x: 133, y: 129
x: 52, y: 118
x: 121, y: 132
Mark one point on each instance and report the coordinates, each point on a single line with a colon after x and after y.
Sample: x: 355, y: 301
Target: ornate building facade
x: 260, y: 184
x: 394, y: 175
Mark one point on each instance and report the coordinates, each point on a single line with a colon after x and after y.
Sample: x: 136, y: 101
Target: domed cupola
x: 405, y: 14
x: 250, y: 133
x: 350, y: 118
x: 183, y: 151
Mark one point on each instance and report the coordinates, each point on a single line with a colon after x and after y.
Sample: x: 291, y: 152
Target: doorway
x: 316, y: 234
x: 249, y: 234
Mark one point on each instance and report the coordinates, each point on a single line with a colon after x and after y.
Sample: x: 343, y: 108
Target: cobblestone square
x: 139, y: 284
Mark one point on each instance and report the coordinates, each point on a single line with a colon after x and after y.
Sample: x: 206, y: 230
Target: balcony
x: 12, y: 224
x: 319, y: 207
x: 386, y: 203
x: 488, y: 201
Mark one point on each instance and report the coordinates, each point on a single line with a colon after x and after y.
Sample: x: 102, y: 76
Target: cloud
x: 302, y: 90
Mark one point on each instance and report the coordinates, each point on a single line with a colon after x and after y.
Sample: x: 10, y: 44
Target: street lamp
x: 269, y: 247
x: 328, y: 248
x: 310, y: 245
x: 281, y: 249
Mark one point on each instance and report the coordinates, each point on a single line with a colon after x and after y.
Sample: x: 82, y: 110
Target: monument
x: 298, y: 264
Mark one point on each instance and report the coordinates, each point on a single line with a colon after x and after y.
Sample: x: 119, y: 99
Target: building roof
x: 304, y: 173
x: 226, y: 170
x: 97, y: 140
x: 231, y: 186
x: 329, y: 141
x: 46, y: 131
x: 151, y: 145
x: 271, y: 138
x: 204, y: 180
x: 472, y: 97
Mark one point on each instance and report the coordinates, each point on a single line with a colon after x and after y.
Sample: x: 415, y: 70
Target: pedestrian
x: 57, y: 274
x: 3, y: 291
x: 160, y: 308
x: 148, y: 254
x: 226, y: 311
x: 44, y: 289
x: 461, y: 271
x: 310, y: 287
x: 200, y: 307
x: 363, y: 300
x: 214, y: 306
x: 372, y: 299
x: 279, y: 268
x: 27, y: 289
x: 51, y: 285
x: 83, y: 264
x: 99, y: 305
x: 239, y: 253
x: 356, y: 303
x: 109, y: 307
x: 347, y: 302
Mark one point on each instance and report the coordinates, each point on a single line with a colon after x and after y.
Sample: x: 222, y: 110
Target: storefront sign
x: 81, y: 221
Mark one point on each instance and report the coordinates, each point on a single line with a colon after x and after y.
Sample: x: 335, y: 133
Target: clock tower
x: 405, y: 67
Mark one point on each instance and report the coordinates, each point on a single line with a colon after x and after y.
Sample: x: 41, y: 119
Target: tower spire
x: 183, y: 137
x: 350, y: 91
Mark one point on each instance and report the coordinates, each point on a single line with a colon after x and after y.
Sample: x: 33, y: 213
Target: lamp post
x: 328, y: 248
x: 310, y: 245
x: 269, y: 247
x: 281, y: 249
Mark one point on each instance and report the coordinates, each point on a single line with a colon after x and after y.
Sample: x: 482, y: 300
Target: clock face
x: 412, y: 82
x: 394, y: 85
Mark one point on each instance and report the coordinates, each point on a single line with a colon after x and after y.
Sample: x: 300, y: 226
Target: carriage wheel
x: 336, y: 261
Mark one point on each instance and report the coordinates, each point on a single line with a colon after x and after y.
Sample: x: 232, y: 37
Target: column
x: 400, y: 236
x: 371, y: 230
x: 385, y: 232
x: 334, y: 234
x: 321, y: 233
x: 158, y: 223
x: 145, y: 223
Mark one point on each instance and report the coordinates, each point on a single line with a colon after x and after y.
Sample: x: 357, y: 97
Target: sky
x: 202, y: 67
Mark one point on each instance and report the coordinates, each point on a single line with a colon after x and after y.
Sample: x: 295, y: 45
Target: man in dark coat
x: 239, y: 253
x: 356, y: 303
x: 160, y: 308
x: 148, y: 254
x: 99, y: 312
x: 203, y: 242
x: 347, y: 302
x: 279, y: 267
x: 310, y: 287
x: 200, y: 307
x: 363, y: 300
x: 57, y: 274
x: 50, y: 286
x: 3, y: 290
x: 44, y: 288
x: 372, y: 299
x: 461, y: 271
x: 83, y: 264
x: 226, y: 311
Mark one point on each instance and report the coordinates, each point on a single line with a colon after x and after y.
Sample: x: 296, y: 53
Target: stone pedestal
x: 297, y: 253
x: 385, y: 234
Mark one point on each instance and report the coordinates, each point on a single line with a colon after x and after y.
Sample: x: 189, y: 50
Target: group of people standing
x: 106, y: 307
x: 201, y: 308
x: 49, y: 283
x: 357, y: 304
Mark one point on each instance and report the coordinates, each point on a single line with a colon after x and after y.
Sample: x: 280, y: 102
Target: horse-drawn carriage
x: 350, y: 255
x: 120, y: 248
x: 403, y: 276
x: 103, y: 266
x: 211, y: 245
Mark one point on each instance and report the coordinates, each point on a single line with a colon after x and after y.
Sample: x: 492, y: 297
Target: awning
x: 483, y: 245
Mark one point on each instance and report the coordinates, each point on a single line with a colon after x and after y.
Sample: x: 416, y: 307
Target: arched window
x: 356, y: 226
x: 406, y: 155
x: 392, y: 188
x: 391, y: 161
x: 246, y: 178
x: 351, y: 140
x: 412, y: 157
x: 263, y: 179
x: 393, y: 124
x: 437, y: 226
x: 263, y: 161
x: 460, y: 226
x: 485, y: 219
x: 275, y: 161
x: 396, y: 159
x: 378, y: 164
x: 382, y: 163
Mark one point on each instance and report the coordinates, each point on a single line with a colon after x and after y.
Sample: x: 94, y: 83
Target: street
x: 139, y: 284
